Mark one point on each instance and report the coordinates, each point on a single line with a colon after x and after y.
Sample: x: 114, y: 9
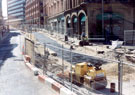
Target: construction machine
x: 92, y: 76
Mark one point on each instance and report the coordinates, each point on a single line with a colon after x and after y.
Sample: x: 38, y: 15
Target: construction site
x: 93, y: 69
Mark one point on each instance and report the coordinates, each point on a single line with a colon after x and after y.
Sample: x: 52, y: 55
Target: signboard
x: 108, y: 16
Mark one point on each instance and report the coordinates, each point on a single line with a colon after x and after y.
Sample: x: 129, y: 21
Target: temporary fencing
x: 118, y: 71
x: 61, y: 32
x: 129, y: 37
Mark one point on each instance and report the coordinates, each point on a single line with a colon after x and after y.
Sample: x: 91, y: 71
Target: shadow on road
x: 6, y: 47
x: 106, y: 91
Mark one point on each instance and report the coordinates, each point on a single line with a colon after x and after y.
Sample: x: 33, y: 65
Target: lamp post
x: 30, y: 28
x: 103, y: 17
x: 45, y: 20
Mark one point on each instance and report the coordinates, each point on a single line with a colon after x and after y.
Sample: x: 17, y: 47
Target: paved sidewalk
x: 15, y: 78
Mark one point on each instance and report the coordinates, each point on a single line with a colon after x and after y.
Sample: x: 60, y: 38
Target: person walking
x: 107, y: 32
x: 83, y: 36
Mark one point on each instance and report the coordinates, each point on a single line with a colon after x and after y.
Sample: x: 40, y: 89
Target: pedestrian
x: 83, y: 35
x: 107, y: 32
x: 66, y: 36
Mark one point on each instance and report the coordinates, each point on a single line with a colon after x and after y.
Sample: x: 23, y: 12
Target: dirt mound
x: 112, y: 70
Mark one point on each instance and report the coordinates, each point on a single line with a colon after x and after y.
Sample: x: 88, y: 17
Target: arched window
x: 82, y: 20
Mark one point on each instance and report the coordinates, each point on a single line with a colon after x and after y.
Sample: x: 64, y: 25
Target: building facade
x: 34, y: 12
x: 54, y: 13
x: 0, y: 7
x: 1, y: 17
x: 1, y: 20
x: 16, y: 12
x: 108, y: 20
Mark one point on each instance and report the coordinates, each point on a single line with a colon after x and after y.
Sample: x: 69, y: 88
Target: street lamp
x: 30, y: 27
x: 103, y: 17
x: 45, y: 20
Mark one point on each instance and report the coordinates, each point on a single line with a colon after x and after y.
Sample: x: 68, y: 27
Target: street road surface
x: 76, y: 57
x: 15, y: 77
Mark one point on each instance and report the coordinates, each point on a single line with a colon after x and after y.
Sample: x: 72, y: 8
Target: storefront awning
x: 83, y: 18
x: 62, y: 18
x: 54, y: 20
x: 75, y: 20
x: 107, y: 16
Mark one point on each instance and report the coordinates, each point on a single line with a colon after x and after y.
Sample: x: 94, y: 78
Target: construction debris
x: 100, y: 52
x: 54, y: 54
x: 112, y: 70
x: 130, y: 58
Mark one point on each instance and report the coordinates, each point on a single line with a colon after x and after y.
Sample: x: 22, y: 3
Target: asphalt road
x: 76, y: 57
x: 15, y: 77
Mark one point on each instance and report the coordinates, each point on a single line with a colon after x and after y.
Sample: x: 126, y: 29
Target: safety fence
x: 72, y: 33
x: 129, y: 37
x: 61, y: 31
x: 58, y: 62
x: 53, y: 30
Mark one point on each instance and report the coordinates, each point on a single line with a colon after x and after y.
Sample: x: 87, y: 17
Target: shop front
x: 113, y: 26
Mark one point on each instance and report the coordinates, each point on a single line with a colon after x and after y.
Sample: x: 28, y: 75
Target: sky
x: 4, y: 8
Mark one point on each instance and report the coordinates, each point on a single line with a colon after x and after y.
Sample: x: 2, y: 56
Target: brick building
x: 34, y: 12
x: 86, y: 15
x: 54, y: 12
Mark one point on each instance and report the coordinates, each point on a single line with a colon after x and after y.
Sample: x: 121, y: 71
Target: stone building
x: 34, y: 12
x: 54, y: 13
x: 100, y: 19
x: 86, y: 15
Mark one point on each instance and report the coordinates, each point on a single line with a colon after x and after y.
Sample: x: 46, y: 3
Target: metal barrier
x: 115, y: 67
x: 129, y: 37
x: 57, y: 62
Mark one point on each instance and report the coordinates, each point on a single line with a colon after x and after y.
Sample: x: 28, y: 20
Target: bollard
x: 112, y: 88
x: 66, y: 38
x: 27, y: 58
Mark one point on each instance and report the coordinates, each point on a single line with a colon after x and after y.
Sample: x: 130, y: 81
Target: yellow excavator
x: 89, y: 75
